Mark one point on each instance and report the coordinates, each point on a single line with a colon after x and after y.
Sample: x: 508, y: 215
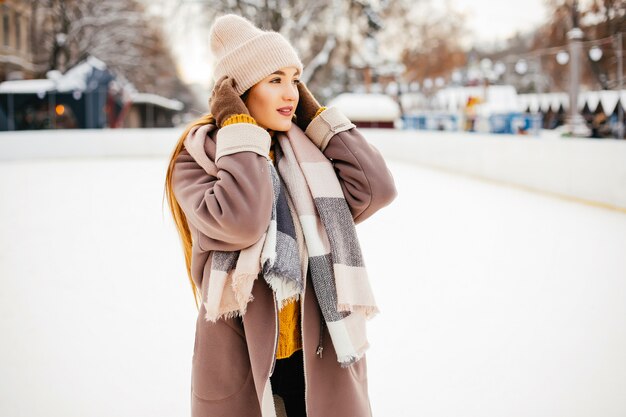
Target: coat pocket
x: 221, y: 364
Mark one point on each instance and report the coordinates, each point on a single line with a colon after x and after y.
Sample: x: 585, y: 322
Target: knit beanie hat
x: 247, y: 53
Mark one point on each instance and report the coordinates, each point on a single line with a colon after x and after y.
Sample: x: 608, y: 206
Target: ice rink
x: 495, y: 301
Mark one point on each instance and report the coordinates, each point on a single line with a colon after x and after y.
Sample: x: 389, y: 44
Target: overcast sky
x: 497, y: 20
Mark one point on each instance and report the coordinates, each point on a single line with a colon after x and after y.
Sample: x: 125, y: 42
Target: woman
x: 266, y: 210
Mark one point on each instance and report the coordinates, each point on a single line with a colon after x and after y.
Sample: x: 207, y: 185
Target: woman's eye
x: 277, y: 80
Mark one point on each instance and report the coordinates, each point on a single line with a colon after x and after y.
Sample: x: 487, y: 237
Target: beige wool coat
x: 234, y: 358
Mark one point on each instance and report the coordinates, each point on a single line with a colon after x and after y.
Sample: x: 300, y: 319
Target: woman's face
x: 273, y: 100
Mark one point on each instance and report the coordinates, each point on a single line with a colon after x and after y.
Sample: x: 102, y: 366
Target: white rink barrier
x: 89, y: 143
x: 593, y: 170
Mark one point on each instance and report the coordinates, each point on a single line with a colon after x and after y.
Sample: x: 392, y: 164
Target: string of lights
x: 556, y: 50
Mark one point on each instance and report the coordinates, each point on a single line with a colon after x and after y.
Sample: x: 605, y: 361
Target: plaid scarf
x: 307, y: 191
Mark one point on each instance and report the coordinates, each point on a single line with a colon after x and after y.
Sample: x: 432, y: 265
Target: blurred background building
x: 16, y: 58
x: 83, y: 64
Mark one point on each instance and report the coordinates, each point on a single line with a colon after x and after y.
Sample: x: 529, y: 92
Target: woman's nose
x: 291, y: 92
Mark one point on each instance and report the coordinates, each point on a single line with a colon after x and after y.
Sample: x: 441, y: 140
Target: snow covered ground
x: 495, y: 301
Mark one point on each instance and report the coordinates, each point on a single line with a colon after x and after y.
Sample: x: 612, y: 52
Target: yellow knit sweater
x: 289, y: 340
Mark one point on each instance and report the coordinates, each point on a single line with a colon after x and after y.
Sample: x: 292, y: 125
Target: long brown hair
x: 180, y: 220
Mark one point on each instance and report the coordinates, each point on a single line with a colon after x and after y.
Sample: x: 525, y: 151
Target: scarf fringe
x: 368, y: 311
x: 277, y: 286
x: 227, y: 315
x: 286, y: 301
x: 243, y: 281
x: 348, y: 360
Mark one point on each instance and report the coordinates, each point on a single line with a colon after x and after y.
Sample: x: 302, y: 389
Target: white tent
x: 496, y: 98
x: 156, y: 100
x: 26, y: 86
x: 552, y: 101
x: 367, y: 107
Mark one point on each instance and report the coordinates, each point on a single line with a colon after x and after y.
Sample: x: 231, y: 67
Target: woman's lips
x: 285, y: 111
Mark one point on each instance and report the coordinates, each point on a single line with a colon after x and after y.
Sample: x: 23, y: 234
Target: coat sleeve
x: 233, y: 207
x: 366, y: 181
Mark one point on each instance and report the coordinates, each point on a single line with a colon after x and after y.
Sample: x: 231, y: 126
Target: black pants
x: 288, y: 382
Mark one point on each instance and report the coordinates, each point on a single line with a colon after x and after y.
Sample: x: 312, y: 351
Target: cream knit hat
x: 247, y: 53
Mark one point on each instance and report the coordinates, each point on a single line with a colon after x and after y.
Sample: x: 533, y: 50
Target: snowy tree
x: 115, y: 31
x: 425, y: 38
x: 598, y: 19
x: 327, y: 34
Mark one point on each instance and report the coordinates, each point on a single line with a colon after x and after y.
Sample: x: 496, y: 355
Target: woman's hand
x: 225, y: 101
x: 307, y: 107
